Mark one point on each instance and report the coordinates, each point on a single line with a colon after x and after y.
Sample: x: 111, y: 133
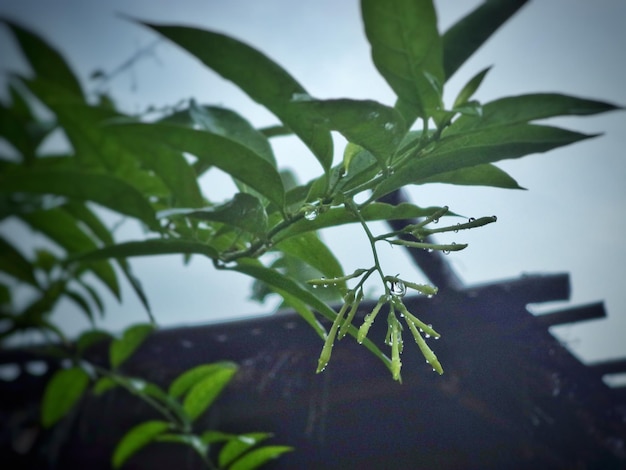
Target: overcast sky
x: 571, y: 219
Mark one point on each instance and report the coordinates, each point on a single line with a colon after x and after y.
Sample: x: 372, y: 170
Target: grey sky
x: 571, y: 219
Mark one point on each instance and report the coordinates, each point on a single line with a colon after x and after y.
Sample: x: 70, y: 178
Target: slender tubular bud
x: 327, y: 349
x: 428, y: 353
x: 348, y: 321
x: 396, y: 342
x: 369, y: 319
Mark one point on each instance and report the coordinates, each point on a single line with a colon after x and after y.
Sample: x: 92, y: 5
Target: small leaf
x: 104, y: 384
x: 244, y: 211
x: 262, y: 79
x: 189, y: 378
x: 258, y: 457
x: 234, y: 448
x: 62, y: 392
x: 81, y: 303
x: 204, y: 392
x: 135, y: 439
x: 122, y: 348
x: 470, y: 88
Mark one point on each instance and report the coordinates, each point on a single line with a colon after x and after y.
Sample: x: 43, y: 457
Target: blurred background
x: 571, y: 218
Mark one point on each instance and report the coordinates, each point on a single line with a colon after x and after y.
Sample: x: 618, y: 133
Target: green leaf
x: 81, y: 303
x: 45, y: 60
x: 192, y: 440
x: 470, y: 88
x: 258, y: 457
x: 524, y: 108
x: 310, y: 249
x: 62, y: 392
x: 262, y: 79
x: 340, y: 216
x: 85, y: 185
x: 13, y: 263
x: 470, y: 32
x: 373, y: 126
x: 244, y: 211
x: 233, y: 158
x: 234, y: 448
x: 122, y: 348
x: 91, y: 337
x: 150, y: 247
x: 467, y: 150
x: 64, y: 230
x: 137, y: 438
x: 189, y: 378
x: 228, y: 123
x: 204, y: 392
x: 407, y: 50
x: 104, y: 384
x: 479, y: 175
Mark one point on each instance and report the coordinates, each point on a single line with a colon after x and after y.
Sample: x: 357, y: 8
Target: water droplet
x: 435, y: 221
x: 301, y: 97
x: 471, y: 219
x: 389, y: 126
x: 373, y: 115
x: 311, y: 213
x: 437, y: 337
x: 426, y: 336
x: 397, y: 288
x: 430, y: 250
x: 446, y: 252
x: 429, y: 296
x: 494, y: 218
x: 457, y: 230
x: 390, y: 170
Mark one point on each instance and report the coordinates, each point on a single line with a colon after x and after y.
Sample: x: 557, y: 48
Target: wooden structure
x: 511, y: 397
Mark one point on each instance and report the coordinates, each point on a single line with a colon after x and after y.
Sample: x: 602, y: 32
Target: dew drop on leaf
x: 397, y: 288
x: 311, y: 213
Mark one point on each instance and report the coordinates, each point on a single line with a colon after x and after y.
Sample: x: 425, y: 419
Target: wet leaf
x: 150, y: 247
x: 183, y: 383
x: 234, y: 448
x: 261, y: 78
x: 258, y: 457
x: 407, y: 50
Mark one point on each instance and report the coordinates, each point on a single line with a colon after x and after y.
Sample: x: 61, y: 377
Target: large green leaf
x: 150, y: 247
x: 137, y: 438
x: 467, y: 150
x: 341, y: 215
x: 85, y: 185
x: 61, y: 394
x: 233, y: 158
x: 373, y: 126
x: 524, y: 108
x: 407, y: 50
x: 244, y: 211
x: 470, y: 32
x: 45, y: 60
x: 257, y: 75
